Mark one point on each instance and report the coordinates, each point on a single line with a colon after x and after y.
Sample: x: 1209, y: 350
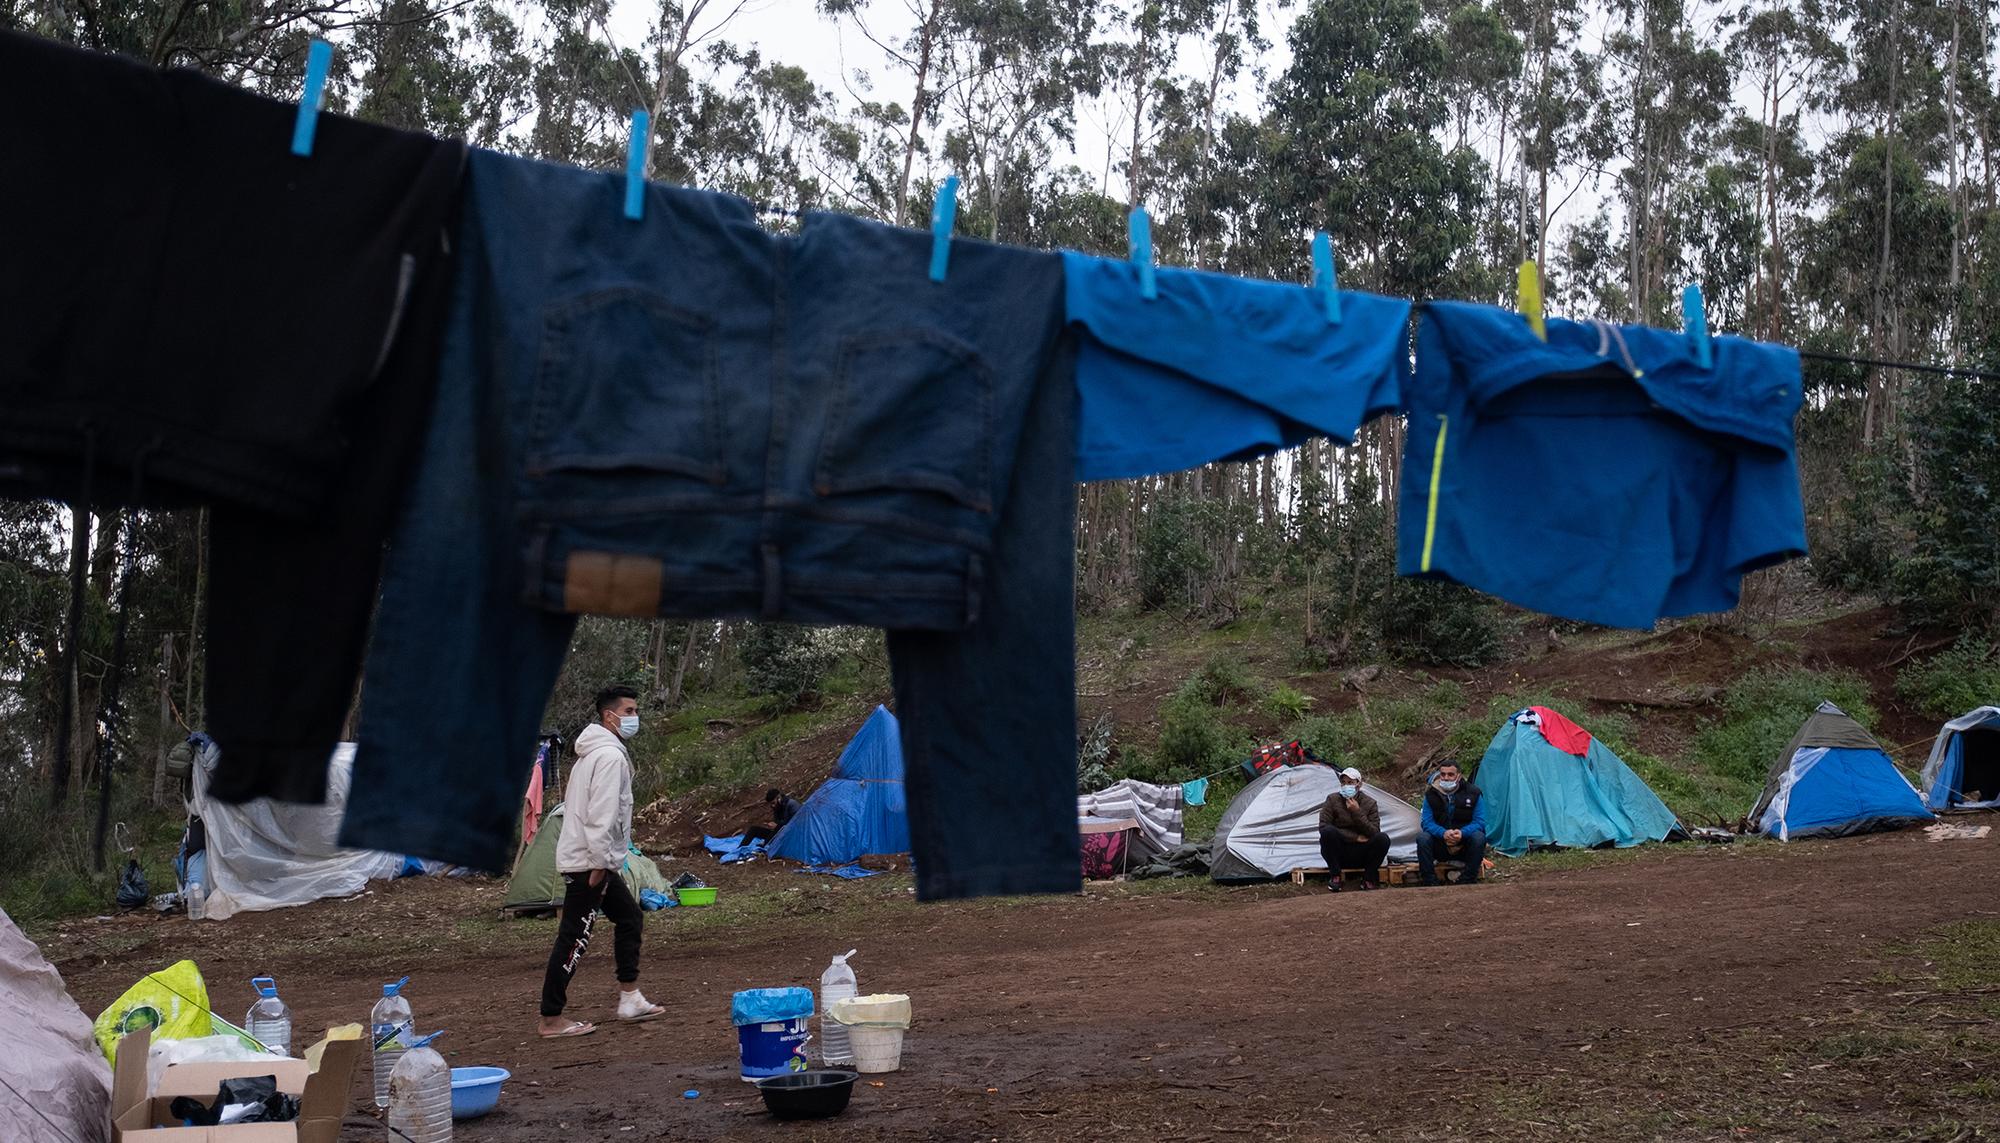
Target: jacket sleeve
x: 1478, y: 823
x: 1374, y: 816
x: 595, y: 811
x: 1430, y: 823
x: 1326, y: 813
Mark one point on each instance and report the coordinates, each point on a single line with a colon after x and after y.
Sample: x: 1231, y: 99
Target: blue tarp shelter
x: 861, y: 809
x: 1539, y: 794
x: 1832, y: 781
x: 1964, y: 767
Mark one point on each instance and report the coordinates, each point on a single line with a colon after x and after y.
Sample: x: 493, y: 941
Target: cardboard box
x: 142, y: 1117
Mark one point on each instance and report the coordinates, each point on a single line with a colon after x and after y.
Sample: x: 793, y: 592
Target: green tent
x: 538, y: 888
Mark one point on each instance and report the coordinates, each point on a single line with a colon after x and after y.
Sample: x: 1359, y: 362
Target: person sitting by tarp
x: 1454, y: 825
x: 1350, y: 833
x: 783, y: 809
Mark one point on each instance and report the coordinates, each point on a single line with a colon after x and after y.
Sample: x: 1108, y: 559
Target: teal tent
x: 1577, y: 794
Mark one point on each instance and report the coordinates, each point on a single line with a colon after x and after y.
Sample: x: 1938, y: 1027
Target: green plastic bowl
x: 695, y: 896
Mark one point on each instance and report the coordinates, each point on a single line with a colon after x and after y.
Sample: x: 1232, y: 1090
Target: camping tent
x: 1272, y: 827
x: 861, y: 809
x: 1834, y: 780
x: 1548, y: 782
x: 1156, y: 809
x: 270, y: 855
x: 1964, y: 767
x: 537, y: 886
x: 52, y: 1070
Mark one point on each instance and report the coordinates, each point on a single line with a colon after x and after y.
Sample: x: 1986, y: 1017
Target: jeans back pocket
x: 912, y: 412
x: 628, y: 381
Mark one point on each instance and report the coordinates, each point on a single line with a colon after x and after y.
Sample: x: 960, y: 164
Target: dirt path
x: 1262, y: 1014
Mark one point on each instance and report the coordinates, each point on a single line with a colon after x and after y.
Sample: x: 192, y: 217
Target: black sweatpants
x: 581, y: 904
x: 1342, y: 852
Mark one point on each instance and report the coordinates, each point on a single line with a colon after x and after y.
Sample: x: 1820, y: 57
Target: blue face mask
x: 1448, y: 785
x: 1349, y: 791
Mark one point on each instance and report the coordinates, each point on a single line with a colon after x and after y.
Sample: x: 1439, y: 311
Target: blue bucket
x: 773, y: 1048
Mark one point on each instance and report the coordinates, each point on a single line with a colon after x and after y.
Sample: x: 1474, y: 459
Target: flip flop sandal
x: 576, y: 1028
x: 650, y: 1012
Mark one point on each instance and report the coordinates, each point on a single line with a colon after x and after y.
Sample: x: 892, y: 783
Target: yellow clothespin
x: 1529, y: 293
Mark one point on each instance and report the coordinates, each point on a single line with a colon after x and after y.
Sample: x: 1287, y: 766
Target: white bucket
x: 876, y: 1049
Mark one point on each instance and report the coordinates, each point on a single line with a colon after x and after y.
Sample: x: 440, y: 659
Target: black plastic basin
x: 808, y: 1095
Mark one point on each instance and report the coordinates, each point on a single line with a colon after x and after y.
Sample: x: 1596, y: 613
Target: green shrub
x: 1427, y: 621
x: 1287, y: 704
x: 1221, y: 680
x: 1194, y: 740
x: 1764, y: 709
x: 1950, y: 683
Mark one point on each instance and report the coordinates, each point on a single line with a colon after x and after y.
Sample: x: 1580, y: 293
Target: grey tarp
x: 56, y: 1083
x: 1272, y: 827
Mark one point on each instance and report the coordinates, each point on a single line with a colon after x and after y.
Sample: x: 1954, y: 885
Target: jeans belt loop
x: 975, y: 582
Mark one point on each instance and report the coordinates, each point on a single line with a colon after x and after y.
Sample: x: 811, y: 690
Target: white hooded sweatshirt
x: 597, y: 804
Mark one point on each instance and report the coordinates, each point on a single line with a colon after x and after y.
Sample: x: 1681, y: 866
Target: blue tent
x: 861, y: 809
x: 1539, y: 794
x: 1835, y: 780
x: 1964, y: 767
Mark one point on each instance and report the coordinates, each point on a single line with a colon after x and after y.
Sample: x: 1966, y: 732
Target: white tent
x: 270, y: 855
x: 1272, y: 827
x: 1157, y: 809
x: 56, y: 1083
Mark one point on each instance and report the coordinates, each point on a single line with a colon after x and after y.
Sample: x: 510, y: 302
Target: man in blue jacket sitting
x: 1454, y: 823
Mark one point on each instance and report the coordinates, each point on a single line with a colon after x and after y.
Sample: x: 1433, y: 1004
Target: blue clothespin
x: 635, y: 165
x: 319, y: 61
x: 1323, y: 278
x: 1694, y: 319
x: 944, y: 211
x: 1141, y: 229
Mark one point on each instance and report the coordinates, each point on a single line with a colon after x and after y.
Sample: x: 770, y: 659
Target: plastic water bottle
x: 269, y: 1022
x: 420, y: 1098
x: 392, y: 1027
x: 836, y: 983
x: 197, y: 900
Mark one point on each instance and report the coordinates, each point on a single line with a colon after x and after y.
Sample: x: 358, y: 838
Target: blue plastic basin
x: 475, y: 1091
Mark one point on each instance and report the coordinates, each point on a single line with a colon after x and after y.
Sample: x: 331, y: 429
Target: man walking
x: 590, y: 853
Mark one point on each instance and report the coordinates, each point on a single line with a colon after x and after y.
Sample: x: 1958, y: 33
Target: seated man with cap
x: 1350, y: 833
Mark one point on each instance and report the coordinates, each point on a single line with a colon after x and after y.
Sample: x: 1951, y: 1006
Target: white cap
x: 1351, y: 772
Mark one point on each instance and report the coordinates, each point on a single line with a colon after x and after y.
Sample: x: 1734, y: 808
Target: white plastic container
x: 196, y: 898
x: 392, y: 1028
x: 875, y: 1026
x: 877, y: 1049
x: 420, y: 1098
x: 837, y: 983
x: 269, y: 1022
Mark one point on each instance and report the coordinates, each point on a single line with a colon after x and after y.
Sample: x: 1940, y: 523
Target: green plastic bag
x: 173, y: 1002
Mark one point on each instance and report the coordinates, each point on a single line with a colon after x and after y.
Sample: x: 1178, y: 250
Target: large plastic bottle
x: 392, y: 1027
x: 268, y: 1020
x: 836, y: 983
x: 420, y: 1098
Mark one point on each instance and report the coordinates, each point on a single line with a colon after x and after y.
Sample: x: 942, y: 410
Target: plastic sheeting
x: 861, y: 809
x: 1157, y: 809
x: 59, y: 1085
x: 1539, y: 795
x: 1944, y: 771
x: 769, y: 1005
x: 273, y: 855
x: 1272, y: 827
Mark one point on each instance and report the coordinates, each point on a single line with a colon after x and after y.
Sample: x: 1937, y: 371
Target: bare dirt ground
x: 1750, y: 991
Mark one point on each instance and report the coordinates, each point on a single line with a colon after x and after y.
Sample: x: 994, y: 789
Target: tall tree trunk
x: 920, y: 103
x: 1133, y: 171
x: 166, y: 686
x: 1875, y: 418
x: 72, y: 657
